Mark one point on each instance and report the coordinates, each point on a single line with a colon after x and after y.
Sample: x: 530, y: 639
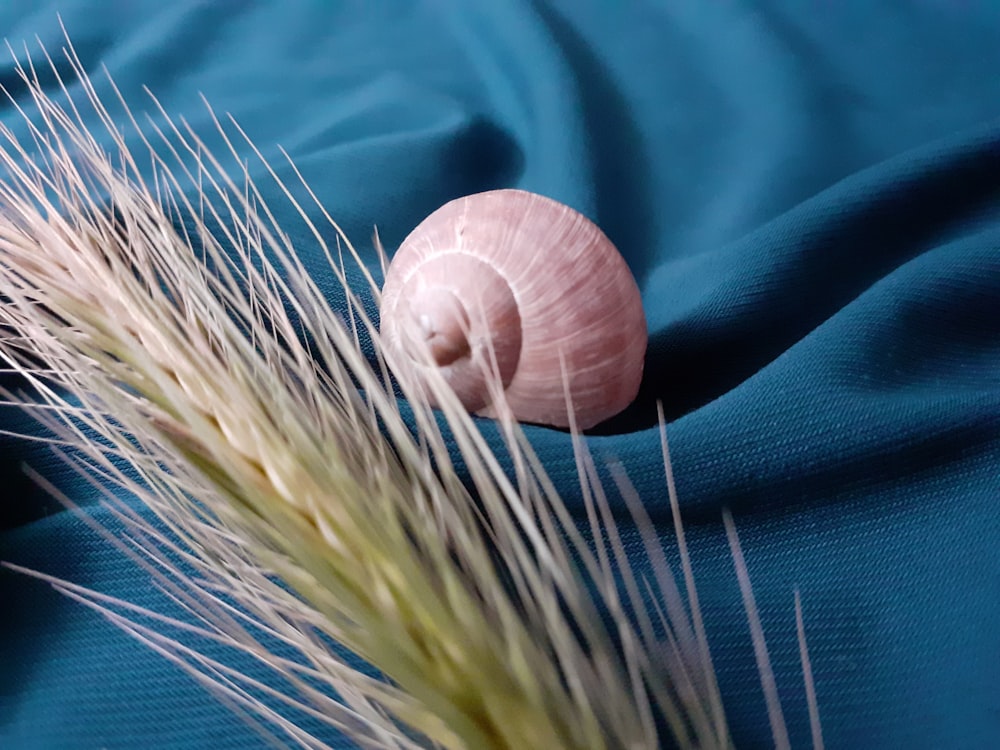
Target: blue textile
x: 809, y: 195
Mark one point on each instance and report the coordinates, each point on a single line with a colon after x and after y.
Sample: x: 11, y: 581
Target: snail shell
x: 515, y: 285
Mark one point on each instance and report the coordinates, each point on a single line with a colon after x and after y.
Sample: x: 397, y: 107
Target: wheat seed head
x: 300, y: 494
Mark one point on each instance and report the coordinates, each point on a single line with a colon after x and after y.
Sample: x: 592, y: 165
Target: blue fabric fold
x: 809, y: 196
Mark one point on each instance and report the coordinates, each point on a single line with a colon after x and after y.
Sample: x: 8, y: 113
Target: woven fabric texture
x: 808, y: 193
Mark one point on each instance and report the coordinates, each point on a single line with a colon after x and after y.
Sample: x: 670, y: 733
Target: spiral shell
x: 512, y: 286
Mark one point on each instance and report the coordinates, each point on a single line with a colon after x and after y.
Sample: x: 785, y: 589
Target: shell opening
x: 454, y: 313
x: 439, y: 322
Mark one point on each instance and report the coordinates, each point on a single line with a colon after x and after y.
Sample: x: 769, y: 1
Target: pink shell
x: 576, y: 302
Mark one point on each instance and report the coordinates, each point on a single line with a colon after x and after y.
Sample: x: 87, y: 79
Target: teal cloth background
x: 807, y: 192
